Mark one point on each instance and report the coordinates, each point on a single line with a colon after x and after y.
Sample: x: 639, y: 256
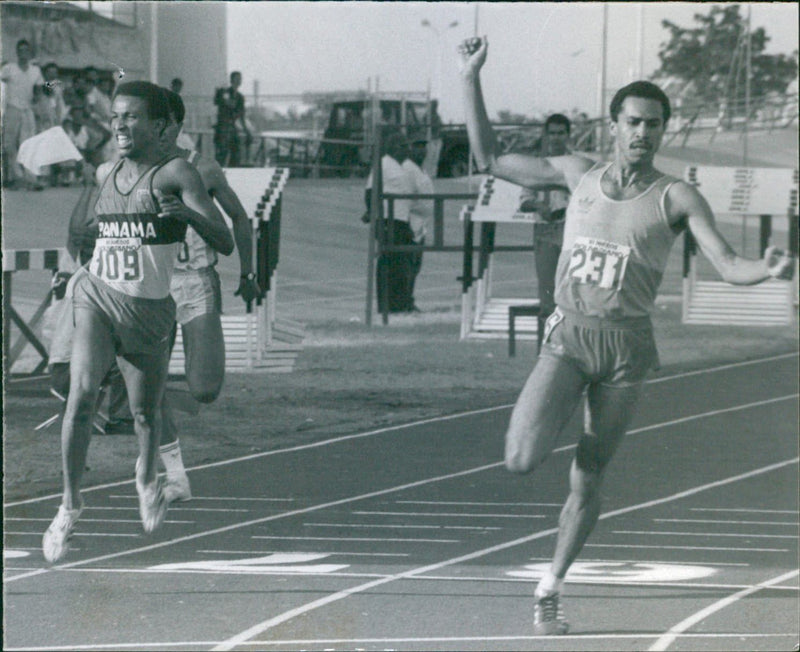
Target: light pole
x: 439, y: 44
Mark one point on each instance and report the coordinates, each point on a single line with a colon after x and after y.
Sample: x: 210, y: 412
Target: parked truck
x: 346, y: 145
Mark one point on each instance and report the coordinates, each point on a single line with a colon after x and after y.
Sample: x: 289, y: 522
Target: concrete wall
x: 75, y: 39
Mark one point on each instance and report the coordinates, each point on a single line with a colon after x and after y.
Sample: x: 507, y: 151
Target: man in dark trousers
x: 230, y: 111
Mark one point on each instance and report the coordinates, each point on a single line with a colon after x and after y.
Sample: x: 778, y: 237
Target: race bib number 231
x: 598, y: 262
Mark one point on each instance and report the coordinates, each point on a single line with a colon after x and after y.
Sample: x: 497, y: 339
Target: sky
x: 543, y: 56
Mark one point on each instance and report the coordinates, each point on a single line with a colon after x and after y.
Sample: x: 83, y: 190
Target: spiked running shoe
x: 55, y: 542
x: 548, y: 616
x: 152, y: 504
x: 177, y: 489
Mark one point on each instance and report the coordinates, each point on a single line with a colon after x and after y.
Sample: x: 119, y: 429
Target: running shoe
x: 55, y: 541
x: 177, y: 489
x: 548, y: 616
x: 152, y: 504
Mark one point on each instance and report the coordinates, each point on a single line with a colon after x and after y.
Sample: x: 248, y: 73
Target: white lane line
x: 754, y: 511
x: 727, y: 522
x: 351, y: 499
x: 83, y: 534
x: 602, y: 581
x: 650, y: 561
x: 94, y: 520
x: 724, y: 367
x: 259, y: 553
x: 457, y: 514
x: 669, y: 637
x: 404, y: 426
x: 472, y: 503
x: 480, y: 528
x: 708, y: 534
x: 349, y: 643
x: 247, y: 499
x: 480, y: 639
x: 719, y: 548
x: 263, y: 626
x: 173, y: 508
x: 401, y: 540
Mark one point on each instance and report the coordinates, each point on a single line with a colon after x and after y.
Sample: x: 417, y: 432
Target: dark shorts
x: 138, y: 326
x: 615, y: 353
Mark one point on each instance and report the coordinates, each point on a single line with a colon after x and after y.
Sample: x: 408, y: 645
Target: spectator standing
x: 19, y: 122
x: 230, y: 111
x: 551, y: 205
x: 176, y: 85
x: 420, y: 212
x: 394, y: 270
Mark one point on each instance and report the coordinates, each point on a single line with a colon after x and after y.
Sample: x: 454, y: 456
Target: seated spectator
x: 49, y: 106
x: 70, y: 173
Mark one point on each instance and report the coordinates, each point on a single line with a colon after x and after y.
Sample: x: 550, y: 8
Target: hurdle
x: 484, y: 315
x: 14, y: 262
x: 257, y: 340
x: 749, y: 193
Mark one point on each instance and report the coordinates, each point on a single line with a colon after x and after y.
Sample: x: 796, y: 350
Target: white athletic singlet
x: 194, y: 252
x: 136, y: 249
x: 614, y: 251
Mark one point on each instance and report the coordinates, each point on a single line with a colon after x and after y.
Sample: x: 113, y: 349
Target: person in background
x: 421, y: 211
x: 19, y: 121
x: 393, y: 271
x: 230, y: 113
x: 176, y: 85
x: 551, y: 205
x: 197, y: 292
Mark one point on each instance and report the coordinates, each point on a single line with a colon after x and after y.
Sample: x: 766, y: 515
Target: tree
x: 712, y: 57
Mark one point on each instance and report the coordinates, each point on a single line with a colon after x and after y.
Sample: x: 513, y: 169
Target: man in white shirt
x: 421, y: 210
x: 394, y: 271
x: 19, y: 123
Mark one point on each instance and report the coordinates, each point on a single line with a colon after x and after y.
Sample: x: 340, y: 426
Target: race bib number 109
x: 598, y: 262
x: 118, y: 259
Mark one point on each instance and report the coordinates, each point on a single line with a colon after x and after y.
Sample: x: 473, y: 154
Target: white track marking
x: 724, y: 367
x: 682, y: 562
x: 708, y: 534
x: 456, y: 514
x: 704, y: 520
x: 256, y: 553
x: 472, y: 503
x: 394, y: 428
x: 87, y: 534
x: 351, y: 642
x: 411, y: 573
x: 247, y: 499
x: 756, y: 511
x: 95, y: 520
x: 403, y: 527
x: 395, y: 540
x: 718, y: 548
x: 669, y: 637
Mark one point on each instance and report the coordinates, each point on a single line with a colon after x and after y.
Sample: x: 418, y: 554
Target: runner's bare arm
x: 685, y: 202
x: 521, y: 169
x: 182, y: 195
x: 220, y: 189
